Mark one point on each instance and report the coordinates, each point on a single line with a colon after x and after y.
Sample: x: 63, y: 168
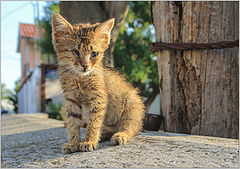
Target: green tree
x: 4, y: 91
x: 132, y: 54
x: 53, y: 111
x: 13, y: 95
x: 47, y: 49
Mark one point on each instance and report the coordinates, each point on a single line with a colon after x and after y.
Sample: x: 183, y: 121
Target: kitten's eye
x: 94, y: 54
x: 76, y: 52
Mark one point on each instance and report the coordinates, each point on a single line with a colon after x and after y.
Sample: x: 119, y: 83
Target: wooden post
x: 43, y: 80
x: 198, y: 89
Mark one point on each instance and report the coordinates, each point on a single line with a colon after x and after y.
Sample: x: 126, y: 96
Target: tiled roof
x: 28, y: 30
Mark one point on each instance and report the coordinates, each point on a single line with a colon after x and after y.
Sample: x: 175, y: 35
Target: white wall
x: 155, y: 107
x: 29, y: 95
x: 53, y: 91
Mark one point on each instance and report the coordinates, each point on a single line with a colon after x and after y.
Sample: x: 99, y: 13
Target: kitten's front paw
x: 87, y: 146
x: 119, y: 138
x: 69, y: 148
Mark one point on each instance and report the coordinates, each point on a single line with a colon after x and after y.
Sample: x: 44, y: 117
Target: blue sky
x: 13, y: 13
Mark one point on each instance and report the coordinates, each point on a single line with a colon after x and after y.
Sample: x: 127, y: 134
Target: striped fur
x: 109, y: 104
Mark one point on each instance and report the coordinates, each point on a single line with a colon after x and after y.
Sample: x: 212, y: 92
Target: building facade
x: 39, y: 82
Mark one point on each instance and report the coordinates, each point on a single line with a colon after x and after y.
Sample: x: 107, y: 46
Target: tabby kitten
x: 93, y: 93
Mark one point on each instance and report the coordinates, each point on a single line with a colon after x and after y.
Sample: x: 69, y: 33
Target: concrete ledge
x: 32, y: 141
x: 21, y: 123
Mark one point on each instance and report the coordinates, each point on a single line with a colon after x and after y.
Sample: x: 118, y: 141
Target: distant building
x: 39, y: 82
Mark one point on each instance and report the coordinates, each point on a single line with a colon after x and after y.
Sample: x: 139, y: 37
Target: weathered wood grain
x: 199, y: 89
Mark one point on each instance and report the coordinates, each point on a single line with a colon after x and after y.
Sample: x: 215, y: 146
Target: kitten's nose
x: 85, y: 67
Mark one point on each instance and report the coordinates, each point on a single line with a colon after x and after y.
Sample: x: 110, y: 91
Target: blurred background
x: 12, y: 14
x: 29, y: 81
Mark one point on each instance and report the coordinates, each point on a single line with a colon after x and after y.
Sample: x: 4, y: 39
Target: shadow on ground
x: 42, y: 149
x: 27, y: 147
x: 32, y: 146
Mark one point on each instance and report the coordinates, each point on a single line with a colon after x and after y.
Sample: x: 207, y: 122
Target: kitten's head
x: 80, y: 46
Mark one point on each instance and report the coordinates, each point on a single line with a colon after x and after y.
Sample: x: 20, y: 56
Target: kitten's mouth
x: 81, y: 71
x: 86, y: 72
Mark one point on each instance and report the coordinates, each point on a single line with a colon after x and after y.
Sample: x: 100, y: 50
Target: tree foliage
x: 13, y: 96
x: 4, y: 91
x: 132, y: 54
x: 53, y: 111
x: 45, y: 43
x: 10, y: 95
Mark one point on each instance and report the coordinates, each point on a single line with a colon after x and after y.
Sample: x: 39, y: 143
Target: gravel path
x: 33, y: 141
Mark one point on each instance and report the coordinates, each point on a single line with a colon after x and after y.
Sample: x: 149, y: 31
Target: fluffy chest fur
x: 81, y: 89
x: 104, y: 87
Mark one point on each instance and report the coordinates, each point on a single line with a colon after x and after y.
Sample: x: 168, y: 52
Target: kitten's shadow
x: 105, y: 144
x: 101, y: 145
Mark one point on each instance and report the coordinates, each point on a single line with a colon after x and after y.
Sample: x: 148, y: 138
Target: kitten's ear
x: 106, y: 26
x: 103, y: 32
x: 60, y: 26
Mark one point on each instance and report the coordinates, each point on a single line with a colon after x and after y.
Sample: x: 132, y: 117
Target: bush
x: 53, y: 111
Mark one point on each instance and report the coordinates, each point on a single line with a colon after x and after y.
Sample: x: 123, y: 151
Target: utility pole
x: 39, y: 33
x: 35, y: 38
x: 36, y: 22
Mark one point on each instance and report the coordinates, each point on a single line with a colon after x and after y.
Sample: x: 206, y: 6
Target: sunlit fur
x: 111, y: 107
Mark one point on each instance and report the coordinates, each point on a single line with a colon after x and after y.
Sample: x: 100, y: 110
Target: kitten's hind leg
x: 131, y: 121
